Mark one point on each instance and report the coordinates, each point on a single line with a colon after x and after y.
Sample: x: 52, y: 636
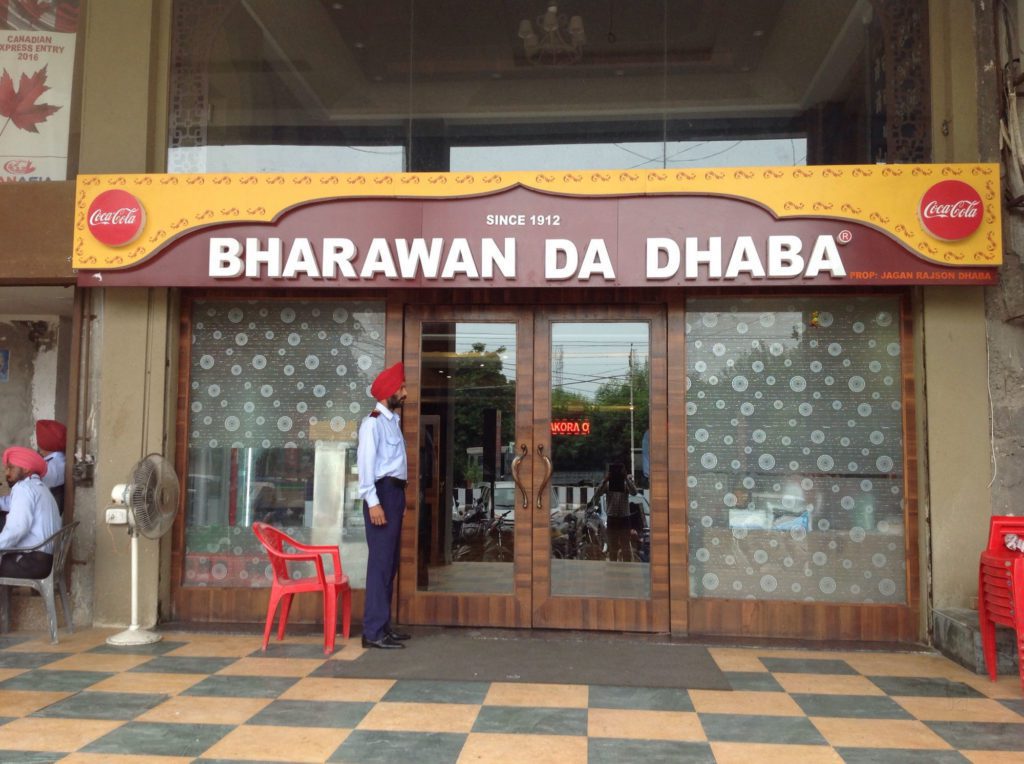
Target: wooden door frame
x: 706, y: 616
x: 417, y: 606
x: 647, y: 615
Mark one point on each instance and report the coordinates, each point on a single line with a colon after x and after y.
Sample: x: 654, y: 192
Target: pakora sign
x: 570, y: 427
x: 839, y: 226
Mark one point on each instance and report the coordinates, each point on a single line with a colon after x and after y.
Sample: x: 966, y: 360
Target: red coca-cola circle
x: 116, y: 218
x: 951, y: 210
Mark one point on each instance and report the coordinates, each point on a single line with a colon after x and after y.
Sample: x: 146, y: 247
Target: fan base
x: 134, y: 636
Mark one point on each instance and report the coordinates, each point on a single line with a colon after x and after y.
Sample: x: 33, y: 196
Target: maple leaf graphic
x: 19, y: 106
x: 34, y: 8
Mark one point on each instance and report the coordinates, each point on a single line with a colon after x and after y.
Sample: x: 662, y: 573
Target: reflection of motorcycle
x: 578, y: 534
x: 640, y: 538
x: 499, y: 544
x: 475, y: 536
x: 563, y: 534
x: 469, y: 531
x: 591, y: 535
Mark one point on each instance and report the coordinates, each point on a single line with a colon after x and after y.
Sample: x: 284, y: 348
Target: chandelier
x: 556, y: 40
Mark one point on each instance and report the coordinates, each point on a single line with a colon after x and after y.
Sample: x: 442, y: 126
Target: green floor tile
x: 981, y: 736
x: 531, y: 721
x: 29, y: 757
x: 152, y: 739
x: 899, y: 756
x: 753, y: 681
x: 788, y: 730
x: 374, y: 747
x: 616, y: 751
x: 54, y: 681
x: 102, y: 705
x: 234, y: 686
x: 640, y: 698
x: 850, y: 706
x: 924, y: 687
x: 169, y: 664
x: 20, y: 660
x: 310, y: 713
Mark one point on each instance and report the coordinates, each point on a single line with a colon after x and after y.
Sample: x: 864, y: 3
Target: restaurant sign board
x: 847, y: 225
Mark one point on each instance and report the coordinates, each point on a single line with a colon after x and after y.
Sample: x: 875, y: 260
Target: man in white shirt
x: 32, y: 518
x: 51, y: 438
x: 383, y: 472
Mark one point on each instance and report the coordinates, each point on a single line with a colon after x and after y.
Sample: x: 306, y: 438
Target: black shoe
x: 384, y: 643
x: 398, y: 636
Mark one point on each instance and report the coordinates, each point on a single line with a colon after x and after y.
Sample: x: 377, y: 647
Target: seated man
x: 51, y: 438
x: 33, y: 516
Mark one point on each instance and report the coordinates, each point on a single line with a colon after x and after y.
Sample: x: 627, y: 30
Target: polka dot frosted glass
x: 795, y: 449
x: 263, y: 411
x: 271, y: 344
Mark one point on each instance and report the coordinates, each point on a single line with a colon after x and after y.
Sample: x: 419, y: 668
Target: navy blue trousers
x: 383, y: 543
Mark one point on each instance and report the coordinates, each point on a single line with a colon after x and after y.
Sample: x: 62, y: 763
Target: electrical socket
x: 117, y: 516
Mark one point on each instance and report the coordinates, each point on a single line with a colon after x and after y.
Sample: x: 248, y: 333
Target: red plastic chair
x: 285, y: 587
x: 1001, y: 591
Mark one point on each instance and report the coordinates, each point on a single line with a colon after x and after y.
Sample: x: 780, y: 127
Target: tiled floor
x: 217, y: 698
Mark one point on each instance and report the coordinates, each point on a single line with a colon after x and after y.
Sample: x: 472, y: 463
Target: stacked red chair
x: 282, y: 550
x: 1001, y: 590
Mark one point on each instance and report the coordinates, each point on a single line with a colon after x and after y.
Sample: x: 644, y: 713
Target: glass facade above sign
x: 358, y: 87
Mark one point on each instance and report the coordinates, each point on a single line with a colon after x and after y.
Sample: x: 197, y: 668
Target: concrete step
x: 957, y: 635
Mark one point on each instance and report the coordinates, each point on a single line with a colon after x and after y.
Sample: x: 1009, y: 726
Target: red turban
x: 387, y: 382
x: 25, y: 458
x: 51, y: 435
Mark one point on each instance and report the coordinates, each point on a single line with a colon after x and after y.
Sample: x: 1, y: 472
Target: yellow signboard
x: 946, y: 214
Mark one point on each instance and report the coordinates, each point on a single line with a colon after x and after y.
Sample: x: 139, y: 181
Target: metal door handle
x: 548, y: 469
x: 515, y: 474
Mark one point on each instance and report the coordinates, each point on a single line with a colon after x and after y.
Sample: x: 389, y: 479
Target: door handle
x: 515, y: 474
x: 548, y: 469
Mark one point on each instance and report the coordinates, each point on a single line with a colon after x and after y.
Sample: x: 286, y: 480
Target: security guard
x: 383, y: 472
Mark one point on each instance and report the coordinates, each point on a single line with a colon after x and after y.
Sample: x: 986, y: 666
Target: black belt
x: 398, y: 483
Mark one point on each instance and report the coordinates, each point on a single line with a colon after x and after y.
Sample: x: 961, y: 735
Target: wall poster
x: 37, y: 67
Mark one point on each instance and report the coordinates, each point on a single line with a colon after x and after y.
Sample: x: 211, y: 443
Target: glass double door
x: 538, y: 502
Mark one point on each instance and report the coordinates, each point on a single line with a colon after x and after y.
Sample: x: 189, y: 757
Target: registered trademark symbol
x: 845, y: 236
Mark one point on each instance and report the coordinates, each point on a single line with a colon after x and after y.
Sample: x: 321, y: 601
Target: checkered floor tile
x: 217, y: 698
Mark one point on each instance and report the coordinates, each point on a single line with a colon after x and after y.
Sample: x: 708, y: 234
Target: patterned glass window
x: 795, y: 449
x: 277, y: 391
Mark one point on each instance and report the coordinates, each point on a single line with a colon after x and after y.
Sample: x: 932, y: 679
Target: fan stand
x: 134, y: 634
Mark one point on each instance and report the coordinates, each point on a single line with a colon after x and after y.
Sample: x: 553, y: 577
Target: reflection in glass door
x: 466, y: 539
x: 534, y: 483
x: 600, y: 461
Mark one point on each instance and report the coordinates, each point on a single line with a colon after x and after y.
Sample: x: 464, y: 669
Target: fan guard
x: 152, y: 495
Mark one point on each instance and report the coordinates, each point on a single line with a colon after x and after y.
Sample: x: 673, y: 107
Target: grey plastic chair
x: 61, y: 541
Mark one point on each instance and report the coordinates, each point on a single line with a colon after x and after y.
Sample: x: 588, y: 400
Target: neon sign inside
x: 570, y: 426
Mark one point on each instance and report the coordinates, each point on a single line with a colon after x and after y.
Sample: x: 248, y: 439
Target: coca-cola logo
x: 951, y: 210
x: 19, y: 166
x: 116, y: 218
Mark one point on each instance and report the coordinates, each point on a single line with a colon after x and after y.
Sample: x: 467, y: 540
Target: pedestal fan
x: 150, y: 498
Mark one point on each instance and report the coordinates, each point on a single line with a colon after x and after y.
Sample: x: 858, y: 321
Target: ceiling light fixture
x: 556, y: 41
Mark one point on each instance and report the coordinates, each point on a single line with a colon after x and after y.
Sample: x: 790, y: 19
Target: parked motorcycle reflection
x: 640, y: 534
x: 578, y: 534
x: 477, y: 537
